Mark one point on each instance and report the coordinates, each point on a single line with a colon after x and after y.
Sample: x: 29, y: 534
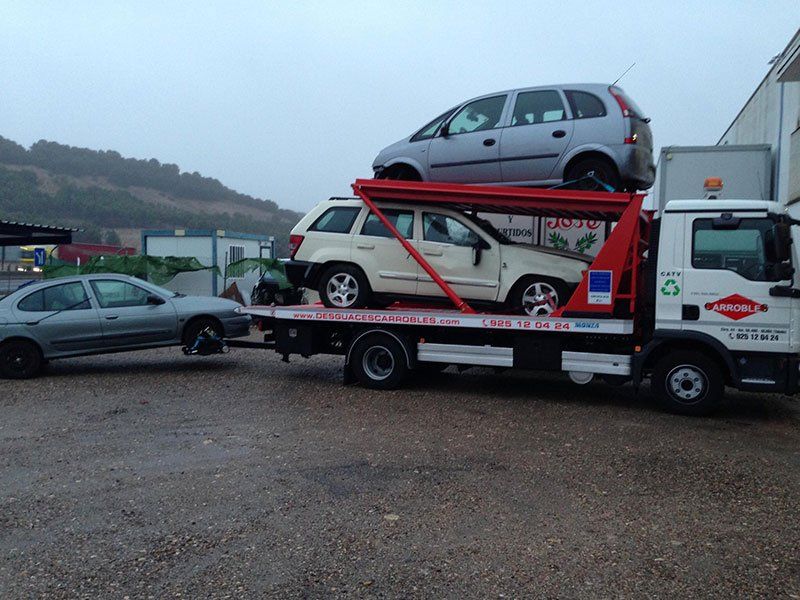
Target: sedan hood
x: 556, y: 252
x: 201, y: 303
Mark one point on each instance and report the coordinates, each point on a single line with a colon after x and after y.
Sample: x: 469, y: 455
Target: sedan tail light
x: 294, y: 244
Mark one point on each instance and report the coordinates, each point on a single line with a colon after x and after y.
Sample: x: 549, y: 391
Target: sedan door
x: 61, y: 318
x: 448, y: 244
x: 390, y: 267
x: 536, y: 138
x: 128, y: 316
x: 467, y: 150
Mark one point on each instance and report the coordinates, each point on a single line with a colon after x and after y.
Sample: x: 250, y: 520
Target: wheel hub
x: 687, y: 383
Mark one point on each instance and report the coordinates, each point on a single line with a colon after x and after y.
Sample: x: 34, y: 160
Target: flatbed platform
x: 441, y: 318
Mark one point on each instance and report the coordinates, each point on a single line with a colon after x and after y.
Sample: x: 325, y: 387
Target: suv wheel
x: 537, y: 296
x: 602, y: 169
x: 344, y: 286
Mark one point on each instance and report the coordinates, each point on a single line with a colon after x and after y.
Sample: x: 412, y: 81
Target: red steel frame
x: 621, y: 253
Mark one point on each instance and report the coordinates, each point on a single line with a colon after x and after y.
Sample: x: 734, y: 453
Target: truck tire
x: 19, y: 359
x: 344, y: 286
x: 688, y: 383
x: 378, y: 361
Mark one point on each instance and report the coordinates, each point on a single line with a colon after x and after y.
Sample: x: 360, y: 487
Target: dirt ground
x: 155, y: 475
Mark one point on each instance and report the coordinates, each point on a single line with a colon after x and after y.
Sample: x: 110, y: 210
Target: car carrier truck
x: 701, y: 298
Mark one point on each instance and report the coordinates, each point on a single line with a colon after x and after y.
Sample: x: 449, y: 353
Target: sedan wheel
x: 19, y: 360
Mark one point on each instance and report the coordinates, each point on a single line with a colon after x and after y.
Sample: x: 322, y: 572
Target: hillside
x: 112, y: 197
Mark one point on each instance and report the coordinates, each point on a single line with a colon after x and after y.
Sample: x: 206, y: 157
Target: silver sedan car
x: 94, y: 314
x: 584, y: 133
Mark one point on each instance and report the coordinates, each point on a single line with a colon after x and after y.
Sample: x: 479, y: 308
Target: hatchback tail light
x: 294, y: 244
x: 623, y: 106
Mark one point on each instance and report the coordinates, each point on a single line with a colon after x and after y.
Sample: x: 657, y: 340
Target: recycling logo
x: 670, y: 288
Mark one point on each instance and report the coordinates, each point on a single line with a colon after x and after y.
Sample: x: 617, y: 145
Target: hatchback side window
x: 67, y: 296
x: 111, y: 293
x: 585, y: 105
x: 447, y: 230
x: 480, y: 115
x: 339, y: 219
x: 538, y: 107
x: 403, y: 221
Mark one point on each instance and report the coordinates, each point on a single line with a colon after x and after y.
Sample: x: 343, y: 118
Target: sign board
x: 517, y: 228
x: 599, y: 287
x: 580, y: 235
x: 39, y: 257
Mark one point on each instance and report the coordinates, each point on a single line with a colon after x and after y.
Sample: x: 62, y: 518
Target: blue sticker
x: 600, y: 287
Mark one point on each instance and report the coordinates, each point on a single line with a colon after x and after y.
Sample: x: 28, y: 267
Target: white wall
x: 251, y: 249
x: 199, y: 283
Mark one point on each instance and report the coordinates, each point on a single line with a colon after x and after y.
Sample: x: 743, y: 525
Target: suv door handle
x: 111, y: 317
x: 489, y: 142
x: 366, y: 246
x: 437, y: 252
x: 559, y: 133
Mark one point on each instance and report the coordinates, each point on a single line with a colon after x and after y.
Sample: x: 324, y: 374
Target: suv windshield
x: 489, y: 228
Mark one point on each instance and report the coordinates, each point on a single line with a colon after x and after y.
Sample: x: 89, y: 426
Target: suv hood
x: 556, y: 252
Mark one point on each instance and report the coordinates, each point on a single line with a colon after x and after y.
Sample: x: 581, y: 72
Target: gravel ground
x: 155, y: 475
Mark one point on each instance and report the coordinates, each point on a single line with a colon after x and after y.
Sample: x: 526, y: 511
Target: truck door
x: 729, y: 268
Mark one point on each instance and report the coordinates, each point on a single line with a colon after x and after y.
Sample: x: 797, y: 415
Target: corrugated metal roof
x: 38, y: 226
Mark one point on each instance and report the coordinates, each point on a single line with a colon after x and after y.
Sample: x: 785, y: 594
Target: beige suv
x: 347, y: 254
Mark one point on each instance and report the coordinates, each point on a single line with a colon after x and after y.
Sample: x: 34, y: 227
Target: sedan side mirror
x: 155, y: 300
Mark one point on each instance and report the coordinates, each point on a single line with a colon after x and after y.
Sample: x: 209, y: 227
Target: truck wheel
x: 344, y: 286
x: 378, y: 361
x: 688, y: 383
x: 19, y: 359
x: 538, y: 296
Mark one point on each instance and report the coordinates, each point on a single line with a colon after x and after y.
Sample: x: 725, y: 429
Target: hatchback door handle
x: 559, y: 133
x: 489, y: 142
x: 366, y: 246
x: 111, y: 317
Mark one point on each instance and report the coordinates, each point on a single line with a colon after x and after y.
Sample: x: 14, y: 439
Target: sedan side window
x: 403, y: 221
x: 67, y: 296
x: 478, y: 116
x: 111, y: 293
x: 538, y: 107
x: 447, y: 230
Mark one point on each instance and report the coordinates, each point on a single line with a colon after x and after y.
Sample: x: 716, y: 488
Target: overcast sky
x: 292, y: 100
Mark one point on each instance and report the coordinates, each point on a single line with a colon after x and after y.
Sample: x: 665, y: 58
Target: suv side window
x: 403, y: 221
x: 447, y: 230
x: 479, y: 115
x: 111, y: 293
x: 741, y: 250
x: 67, y: 296
x: 585, y: 105
x: 538, y: 107
x: 338, y: 219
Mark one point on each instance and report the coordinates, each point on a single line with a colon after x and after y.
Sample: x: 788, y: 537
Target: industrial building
x: 772, y: 116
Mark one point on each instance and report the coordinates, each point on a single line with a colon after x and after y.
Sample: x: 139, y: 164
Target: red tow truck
x: 701, y: 298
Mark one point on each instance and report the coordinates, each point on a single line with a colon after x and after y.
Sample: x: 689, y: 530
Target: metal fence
x: 11, y: 280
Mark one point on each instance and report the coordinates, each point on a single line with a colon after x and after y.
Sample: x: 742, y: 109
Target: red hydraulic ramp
x: 608, y: 286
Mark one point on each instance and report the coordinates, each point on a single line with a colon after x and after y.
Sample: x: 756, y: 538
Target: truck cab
x: 725, y: 288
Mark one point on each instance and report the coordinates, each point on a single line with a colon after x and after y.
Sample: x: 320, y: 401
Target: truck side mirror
x: 779, y: 243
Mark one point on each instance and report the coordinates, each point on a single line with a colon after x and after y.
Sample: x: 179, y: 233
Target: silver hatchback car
x: 540, y: 136
x: 93, y: 314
